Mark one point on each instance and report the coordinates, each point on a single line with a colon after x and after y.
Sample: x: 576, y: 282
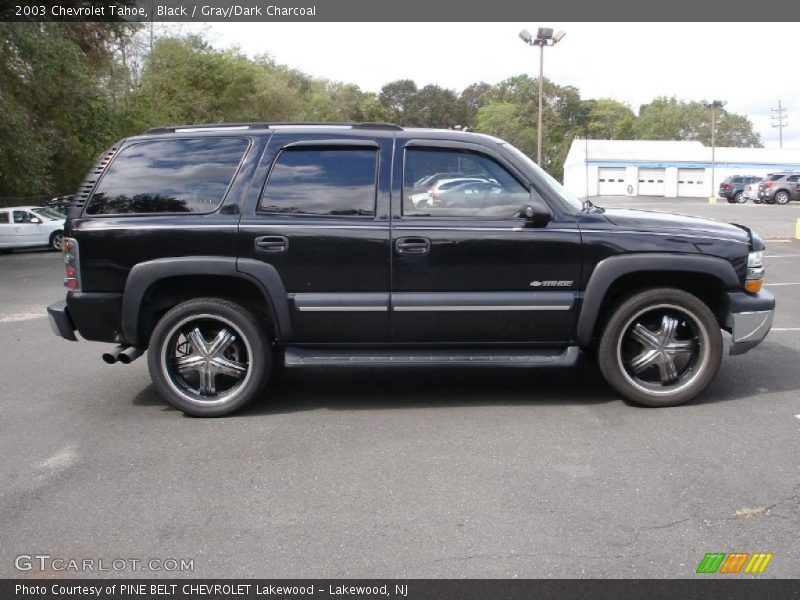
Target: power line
x: 779, y: 121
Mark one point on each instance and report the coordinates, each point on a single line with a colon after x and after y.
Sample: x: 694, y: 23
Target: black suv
x: 223, y: 249
x: 732, y: 187
x: 780, y: 188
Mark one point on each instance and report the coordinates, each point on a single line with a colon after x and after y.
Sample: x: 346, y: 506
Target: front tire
x: 661, y: 347
x: 209, y: 357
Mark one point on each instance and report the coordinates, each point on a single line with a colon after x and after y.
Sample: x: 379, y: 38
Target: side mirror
x: 36, y: 220
x: 528, y: 213
x: 536, y: 213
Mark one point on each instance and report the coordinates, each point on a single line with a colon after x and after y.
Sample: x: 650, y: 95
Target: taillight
x: 769, y: 184
x: 726, y: 186
x: 69, y: 249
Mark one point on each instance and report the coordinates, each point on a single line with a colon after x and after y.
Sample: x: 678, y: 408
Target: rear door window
x: 169, y: 176
x: 324, y: 181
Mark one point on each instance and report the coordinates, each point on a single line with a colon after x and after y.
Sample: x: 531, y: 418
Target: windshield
x: 50, y: 214
x: 546, y: 178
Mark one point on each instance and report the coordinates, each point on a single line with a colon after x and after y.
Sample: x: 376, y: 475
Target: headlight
x: 755, y: 271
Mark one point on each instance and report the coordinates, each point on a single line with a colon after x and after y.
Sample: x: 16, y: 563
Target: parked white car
x: 751, y: 191
x: 30, y: 226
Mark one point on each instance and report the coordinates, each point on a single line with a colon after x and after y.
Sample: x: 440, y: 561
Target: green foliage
x: 607, y: 119
x: 670, y: 119
x: 69, y: 90
x: 56, y: 112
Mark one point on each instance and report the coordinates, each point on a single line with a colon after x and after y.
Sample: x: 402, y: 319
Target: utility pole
x: 544, y: 37
x: 779, y: 121
x: 714, y: 105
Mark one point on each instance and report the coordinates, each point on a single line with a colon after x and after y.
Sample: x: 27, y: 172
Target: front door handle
x: 272, y: 243
x: 413, y: 245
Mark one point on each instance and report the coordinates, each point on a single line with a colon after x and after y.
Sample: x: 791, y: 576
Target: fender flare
x: 612, y: 268
x: 143, y: 275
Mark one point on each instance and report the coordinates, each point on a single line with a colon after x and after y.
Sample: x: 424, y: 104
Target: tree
x: 397, y: 95
x: 607, y: 119
x: 433, y: 106
x: 671, y: 119
x: 59, y: 109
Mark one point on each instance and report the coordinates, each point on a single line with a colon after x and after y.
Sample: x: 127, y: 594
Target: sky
x: 751, y: 66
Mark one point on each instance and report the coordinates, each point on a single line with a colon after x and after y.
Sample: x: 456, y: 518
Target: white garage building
x: 663, y: 168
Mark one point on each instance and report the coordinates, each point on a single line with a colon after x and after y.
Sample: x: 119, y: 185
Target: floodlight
x: 544, y: 33
x: 525, y: 36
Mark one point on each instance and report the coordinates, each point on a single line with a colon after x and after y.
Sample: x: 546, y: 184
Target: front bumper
x: 749, y: 319
x: 60, y: 321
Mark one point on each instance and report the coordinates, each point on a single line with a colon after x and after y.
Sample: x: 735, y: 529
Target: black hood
x: 646, y: 220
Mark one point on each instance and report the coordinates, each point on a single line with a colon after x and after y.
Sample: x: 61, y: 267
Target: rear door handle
x: 272, y: 243
x: 413, y: 245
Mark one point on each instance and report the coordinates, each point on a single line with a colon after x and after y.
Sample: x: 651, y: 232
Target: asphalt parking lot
x: 401, y: 473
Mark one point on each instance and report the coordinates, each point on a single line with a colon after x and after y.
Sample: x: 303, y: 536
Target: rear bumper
x: 96, y: 316
x: 749, y: 319
x: 60, y: 321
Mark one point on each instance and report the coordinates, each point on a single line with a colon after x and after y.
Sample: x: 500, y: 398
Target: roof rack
x: 207, y: 127
x: 267, y: 125
x: 375, y: 125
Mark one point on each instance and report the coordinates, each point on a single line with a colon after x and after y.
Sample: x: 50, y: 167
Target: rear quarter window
x: 169, y: 176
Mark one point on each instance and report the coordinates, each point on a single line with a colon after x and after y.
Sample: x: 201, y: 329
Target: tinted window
x: 169, y: 176
x: 775, y: 177
x: 793, y: 178
x: 22, y: 216
x: 322, y: 181
x: 476, y: 186
x: 3, y: 217
x: 737, y: 180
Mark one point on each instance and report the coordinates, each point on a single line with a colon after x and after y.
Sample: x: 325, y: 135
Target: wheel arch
x: 153, y: 287
x: 616, y: 277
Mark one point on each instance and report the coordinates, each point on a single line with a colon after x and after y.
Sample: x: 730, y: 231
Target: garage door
x: 651, y: 182
x: 691, y: 183
x: 610, y: 181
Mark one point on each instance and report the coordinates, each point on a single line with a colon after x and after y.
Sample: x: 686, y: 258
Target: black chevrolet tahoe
x: 225, y: 249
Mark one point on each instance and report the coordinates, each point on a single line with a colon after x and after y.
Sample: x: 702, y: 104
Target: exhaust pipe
x: 113, y: 356
x: 130, y: 354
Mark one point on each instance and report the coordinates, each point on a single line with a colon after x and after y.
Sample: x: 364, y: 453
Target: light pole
x: 715, y: 105
x: 544, y: 37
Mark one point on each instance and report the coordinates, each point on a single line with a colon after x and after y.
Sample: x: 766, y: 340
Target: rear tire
x: 739, y: 198
x: 209, y: 357
x: 782, y: 197
x: 661, y: 347
x: 56, y: 240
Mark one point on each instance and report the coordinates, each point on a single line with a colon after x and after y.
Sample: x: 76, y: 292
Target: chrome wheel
x: 57, y: 241
x: 662, y: 349
x: 206, y: 359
